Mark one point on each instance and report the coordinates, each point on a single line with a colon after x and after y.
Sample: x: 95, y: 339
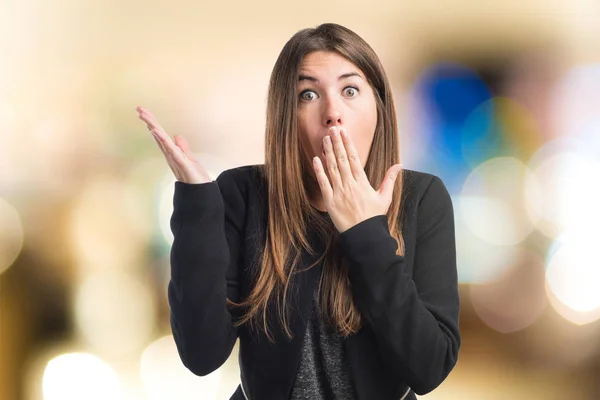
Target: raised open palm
x: 184, y: 165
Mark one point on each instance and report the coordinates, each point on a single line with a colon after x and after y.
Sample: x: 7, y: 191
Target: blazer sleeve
x: 207, y: 224
x: 415, y: 319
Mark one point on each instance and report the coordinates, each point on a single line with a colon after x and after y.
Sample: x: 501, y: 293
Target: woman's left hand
x: 349, y: 197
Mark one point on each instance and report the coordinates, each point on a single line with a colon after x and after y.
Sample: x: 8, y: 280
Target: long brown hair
x: 289, y: 181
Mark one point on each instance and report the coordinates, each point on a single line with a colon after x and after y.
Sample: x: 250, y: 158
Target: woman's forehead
x: 328, y: 62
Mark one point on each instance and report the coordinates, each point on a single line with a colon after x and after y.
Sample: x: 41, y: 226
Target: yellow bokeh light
x: 114, y: 312
x: 164, y: 375
x: 11, y: 235
x: 108, y: 227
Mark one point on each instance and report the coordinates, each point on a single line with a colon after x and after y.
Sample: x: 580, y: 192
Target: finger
x: 386, y: 188
x: 169, y: 145
x: 341, y: 156
x: 322, y: 179
x: 156, y: 128
x: 173, y: 154
x: 150, y: 120
x: 172, y: 164
x: 177, y: 155
x: 147, y: 117
x: 160, y: 145
x: 353, y: 159
x: 168, y: 152
x: 334, y: 173
x: 183, y: 144
x: 166, y: 145
x: 177, y: 159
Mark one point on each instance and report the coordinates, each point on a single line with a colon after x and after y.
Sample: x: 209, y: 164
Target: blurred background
x: 501, y: 99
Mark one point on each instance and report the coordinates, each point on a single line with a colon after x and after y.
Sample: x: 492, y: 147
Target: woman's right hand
x: 184, y: 165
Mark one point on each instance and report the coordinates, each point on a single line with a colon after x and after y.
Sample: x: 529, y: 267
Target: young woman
x: 334, y: 267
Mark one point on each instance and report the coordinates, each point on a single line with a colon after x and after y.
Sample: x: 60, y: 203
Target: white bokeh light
x: 575, y: 104
x: 492, y: 201
x: 166, y: 190
x: 77, y: 376
x: 478, y: 260
x: 572, y: 274
x: 569, y: 198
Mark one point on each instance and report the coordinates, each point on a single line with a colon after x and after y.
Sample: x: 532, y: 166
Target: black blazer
x: 410, y: 304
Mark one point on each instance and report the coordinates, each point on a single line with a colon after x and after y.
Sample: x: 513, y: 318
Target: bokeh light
x: 479, y: 261
x: 568, y: 199
x: 493, y: 198
x: 77, y: 376
x: 107, y: 226
x: 165, y: 192
x: 164, y: 376
x: 446, y: 93
x: 572, y: 275
x: 10, y: 174
x: 11, y: 235
x: 516, y: 298
x: 500, y: 127
x: 114, y: 312
x: 575, y: 105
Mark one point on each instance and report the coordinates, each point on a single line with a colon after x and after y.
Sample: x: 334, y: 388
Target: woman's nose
x: 332, y: 115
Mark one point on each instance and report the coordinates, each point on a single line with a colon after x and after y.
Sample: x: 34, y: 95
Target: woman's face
x: 334, y: 92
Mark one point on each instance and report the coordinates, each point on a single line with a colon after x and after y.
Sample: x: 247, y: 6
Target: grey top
x: 323, y: 373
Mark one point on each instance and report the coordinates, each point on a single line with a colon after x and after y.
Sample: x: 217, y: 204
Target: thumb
x: 387, y: 186
x: 183, y: 144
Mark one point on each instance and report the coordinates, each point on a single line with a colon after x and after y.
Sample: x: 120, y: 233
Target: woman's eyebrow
x: 315, y: 80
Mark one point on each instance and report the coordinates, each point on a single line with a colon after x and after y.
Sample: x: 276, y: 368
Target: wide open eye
x: 350, y: 91
x: 308, y: 95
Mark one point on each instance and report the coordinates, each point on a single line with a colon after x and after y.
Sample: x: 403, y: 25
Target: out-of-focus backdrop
x: 501, y: 99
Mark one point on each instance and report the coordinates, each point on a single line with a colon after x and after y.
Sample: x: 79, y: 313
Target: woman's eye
x: 351, y: 91
x: 308, y: 95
